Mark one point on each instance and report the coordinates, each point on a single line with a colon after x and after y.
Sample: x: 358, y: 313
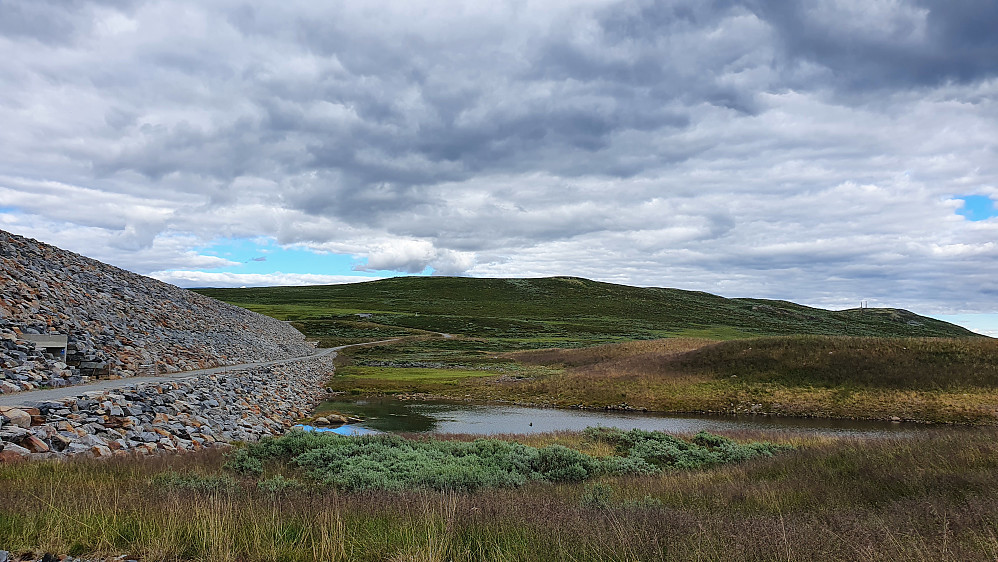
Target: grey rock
x: 16, y: 449
x: 118, y: 322
x: 13, y: 433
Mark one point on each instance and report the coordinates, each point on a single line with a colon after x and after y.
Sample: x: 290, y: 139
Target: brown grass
x: 606, y: 354
x: 931, y: 497
x: 935, y: 380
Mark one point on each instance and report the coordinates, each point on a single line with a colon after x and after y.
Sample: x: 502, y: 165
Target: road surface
x: 31, y: 397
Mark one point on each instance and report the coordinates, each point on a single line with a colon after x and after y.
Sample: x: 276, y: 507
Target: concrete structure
x: 51, y: 343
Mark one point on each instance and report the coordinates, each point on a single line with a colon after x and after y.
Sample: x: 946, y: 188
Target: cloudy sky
x: 821, y: 151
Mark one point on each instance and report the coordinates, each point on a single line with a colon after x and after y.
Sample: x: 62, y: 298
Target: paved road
x: 35, y: 396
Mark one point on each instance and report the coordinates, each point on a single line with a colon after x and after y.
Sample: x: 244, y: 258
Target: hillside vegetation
x: 575, y: 343
x: 557, y: 312
x: 923, y: 379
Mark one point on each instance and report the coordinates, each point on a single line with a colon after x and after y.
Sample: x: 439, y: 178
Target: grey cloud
x: 788, y: 149
x: 51, y: 21
x: 957, y: 42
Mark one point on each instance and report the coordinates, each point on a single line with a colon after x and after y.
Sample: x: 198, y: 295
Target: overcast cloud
x: 813, y: 151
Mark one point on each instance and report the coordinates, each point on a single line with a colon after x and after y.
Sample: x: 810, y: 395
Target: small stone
x: 13, y: 433
x: 60, y: 442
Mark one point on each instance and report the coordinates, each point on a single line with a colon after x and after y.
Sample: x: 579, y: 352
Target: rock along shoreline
x: 204, y: 411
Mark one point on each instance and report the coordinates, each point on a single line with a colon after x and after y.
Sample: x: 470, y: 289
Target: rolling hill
x: 560, y: 311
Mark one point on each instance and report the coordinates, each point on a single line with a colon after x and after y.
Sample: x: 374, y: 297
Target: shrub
x: 390, y: 462
x: 660, y: 451
x: 597, y: 496
x: 243, y: 462
x: 558, y: 463
x: 277, y: 484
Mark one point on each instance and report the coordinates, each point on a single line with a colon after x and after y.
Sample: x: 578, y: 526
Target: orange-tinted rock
x: 34, y: 444
x: 8, y: 455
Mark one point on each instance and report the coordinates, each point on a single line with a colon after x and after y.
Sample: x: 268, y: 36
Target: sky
x: 826, y: 152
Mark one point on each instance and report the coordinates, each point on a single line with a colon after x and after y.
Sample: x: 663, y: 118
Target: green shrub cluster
x: 278, y: 483
x: 650, y: 451
x: 393, y: 463
x: 390, y: 462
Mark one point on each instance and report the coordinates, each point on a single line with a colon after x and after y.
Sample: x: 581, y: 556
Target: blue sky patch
x: 977, y: 207
x: 265, y: 255
x: 986, y: 324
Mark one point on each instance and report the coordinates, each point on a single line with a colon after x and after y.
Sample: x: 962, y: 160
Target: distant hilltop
x: 65, y: 318
x: 570, y: 311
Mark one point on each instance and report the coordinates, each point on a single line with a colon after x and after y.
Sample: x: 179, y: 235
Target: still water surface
x: 391, y: 415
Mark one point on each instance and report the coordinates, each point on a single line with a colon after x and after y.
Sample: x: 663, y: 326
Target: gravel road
x: 31, y: 397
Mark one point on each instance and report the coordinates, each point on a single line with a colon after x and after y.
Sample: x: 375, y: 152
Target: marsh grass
x: 926, y: 379
x: 929, y: 497
x: 873, y: 363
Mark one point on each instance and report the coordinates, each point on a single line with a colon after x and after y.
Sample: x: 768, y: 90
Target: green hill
x: 562, y: 311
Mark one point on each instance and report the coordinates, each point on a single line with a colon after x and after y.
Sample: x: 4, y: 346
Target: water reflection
x: 391, y: 415
x: 348, y: 430
x: 384, y: 415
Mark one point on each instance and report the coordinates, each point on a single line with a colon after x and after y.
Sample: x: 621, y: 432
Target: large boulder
x: 16, y: 416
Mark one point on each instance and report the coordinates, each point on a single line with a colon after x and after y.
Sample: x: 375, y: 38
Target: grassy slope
x: 871, y: 373
x: 925, y: 379
x: 566, y: 311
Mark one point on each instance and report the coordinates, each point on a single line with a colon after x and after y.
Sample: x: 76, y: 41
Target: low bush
x: 393, y: 463
x: 278, y: 484
x: 597, y: 496
x: 645, y: 451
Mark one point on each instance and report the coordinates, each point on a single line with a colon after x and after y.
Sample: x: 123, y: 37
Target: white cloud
x: 413, y: 256
x: 808, y: 151
x: 192, y: 279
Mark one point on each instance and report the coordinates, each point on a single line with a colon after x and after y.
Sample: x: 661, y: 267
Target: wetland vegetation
x: 932, y: 496
x: 572, y: 342
x: 598, y: 495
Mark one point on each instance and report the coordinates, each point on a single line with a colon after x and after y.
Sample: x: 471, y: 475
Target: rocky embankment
x: 117, y: 323
x: 187, y: 415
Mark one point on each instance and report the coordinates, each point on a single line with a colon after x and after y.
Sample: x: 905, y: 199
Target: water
x: 391, y: 415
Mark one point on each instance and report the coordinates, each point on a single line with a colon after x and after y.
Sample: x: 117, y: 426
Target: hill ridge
x: 462, y: 305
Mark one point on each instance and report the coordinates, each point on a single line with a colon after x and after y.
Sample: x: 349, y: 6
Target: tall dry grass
x: 932, y: 497
x: 588, y: 356
x: 925, y: 379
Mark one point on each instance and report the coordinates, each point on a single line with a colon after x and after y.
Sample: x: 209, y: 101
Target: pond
x: 439, y: 416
